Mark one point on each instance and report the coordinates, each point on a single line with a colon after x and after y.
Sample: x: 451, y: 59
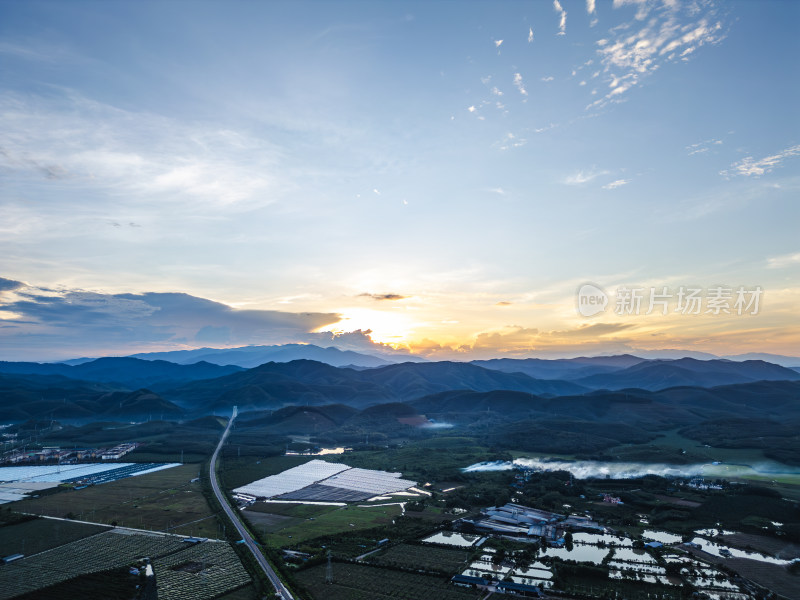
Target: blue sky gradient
x: 476, y: 160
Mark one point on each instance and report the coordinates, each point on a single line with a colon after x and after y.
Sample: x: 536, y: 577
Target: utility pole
x: 329, y: 569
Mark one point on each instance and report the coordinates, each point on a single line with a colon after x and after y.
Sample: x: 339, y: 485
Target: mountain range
x: 29, y: 389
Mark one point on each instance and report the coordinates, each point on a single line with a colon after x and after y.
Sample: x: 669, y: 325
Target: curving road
x: 233, y: 514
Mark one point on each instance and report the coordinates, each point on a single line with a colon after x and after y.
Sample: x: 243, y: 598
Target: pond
x: 596, y: 538
x: 729, y: 552
x: 579, y: 553
x: 449, y: 538
x: 585, y: 469
x: 661, y: 536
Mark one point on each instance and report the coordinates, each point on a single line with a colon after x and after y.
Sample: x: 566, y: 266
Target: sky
x: 439, y: 178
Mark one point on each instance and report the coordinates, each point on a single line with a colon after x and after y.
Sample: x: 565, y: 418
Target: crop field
x: 104, y: 585
x: 345, y: 519
x: 163, y: 501
x: 268, y: 517
x: 300, y: 511
x: 199, y: 572
x: 32, y: 537
x: 247, y: 592
x: 362, y: 582
x: 429, y: 558
x: 96, y: 553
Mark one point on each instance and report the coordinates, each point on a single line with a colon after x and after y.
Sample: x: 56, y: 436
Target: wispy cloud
x: 658, y: 35
x: 786, y: 260
x: 615, y: 184
x: 381, y: 297
x: 703, y: 146
x: 91, y: 145
x: 498, y: 43
x: 562, y: 19
x: 511, y: 141
x: 590, y: 8
x: 548, y: 78
x: 751, y: 167
x: 530, y: 34
x: 581, y: 177
x: 520, y: 85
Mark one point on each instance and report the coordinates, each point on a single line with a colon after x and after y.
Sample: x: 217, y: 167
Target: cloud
x: 496, y: 91
x: 562, y: 20
x: 750, y: 167
x: 383, y: 296
x: 659, y: 34
x: 548, y: 78
x: 581, y: 177
x: 615, y: 184
x: 509, y: 141
x: 498, y: 43
x: 530, y: 34
x: 503, y: 303
x: 590, y: 8
x: 7, y: 285
x: 703, y: 146
x: 520, y: 341
x: 786, y: 260
x: 90, y: 146
x: 520, y: 85
x: 357, y: 341
x: 71, y: 322
x: 590, y: 331
x: 471, y: 109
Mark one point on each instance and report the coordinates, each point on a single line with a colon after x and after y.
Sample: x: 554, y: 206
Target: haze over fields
x: 399, y: 179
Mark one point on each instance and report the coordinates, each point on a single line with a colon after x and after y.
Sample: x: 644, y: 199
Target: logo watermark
x: 591, y: 300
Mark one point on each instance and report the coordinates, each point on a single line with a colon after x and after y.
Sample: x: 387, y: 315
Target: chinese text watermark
x: 685, y: 300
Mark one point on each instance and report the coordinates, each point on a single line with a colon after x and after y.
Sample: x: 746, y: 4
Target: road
x: 233, y: 514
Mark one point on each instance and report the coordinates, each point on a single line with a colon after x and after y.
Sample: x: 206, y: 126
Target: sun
x: 385, y: 327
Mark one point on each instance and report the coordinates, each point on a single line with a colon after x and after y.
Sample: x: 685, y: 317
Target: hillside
x: 274, y: 385
x: 662, y: 374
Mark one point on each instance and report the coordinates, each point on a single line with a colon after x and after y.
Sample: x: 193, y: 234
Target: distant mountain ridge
x: 662, y: 374
x: 203, y: 387
x: 253, y: 356
x: 314, y: 383
x: 129, y: 372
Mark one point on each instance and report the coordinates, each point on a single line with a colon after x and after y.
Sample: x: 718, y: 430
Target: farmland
x: 332, y: 522
x: 200, y: 572
x: 362, y: 582
x: 182, y: 571
x: 164, y: 501
x: 96, y: 553
x: 428, y: 558
x: 38, y: 535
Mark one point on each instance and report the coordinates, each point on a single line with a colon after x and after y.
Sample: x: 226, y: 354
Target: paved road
x: 233, y: 514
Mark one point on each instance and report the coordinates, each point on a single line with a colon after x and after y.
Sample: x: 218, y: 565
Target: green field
x: 37, y: 535
x: 163, y: 501
x: 427, y: 558
x: 362, y: 582
x: 340, y: 520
